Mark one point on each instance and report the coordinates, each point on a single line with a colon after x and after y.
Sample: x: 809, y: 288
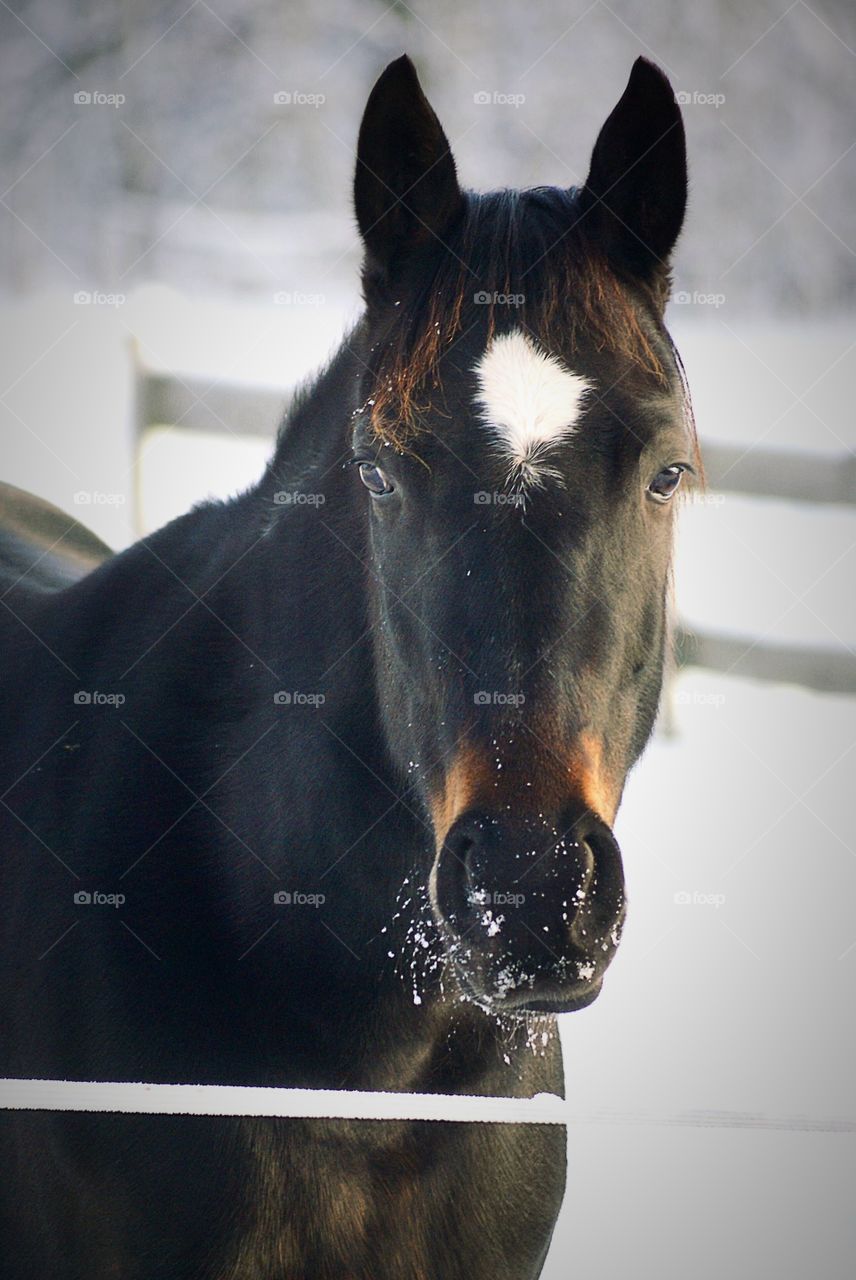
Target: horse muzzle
x: 530, y: 911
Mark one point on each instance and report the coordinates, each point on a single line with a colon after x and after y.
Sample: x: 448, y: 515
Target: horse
x: 315, y: 787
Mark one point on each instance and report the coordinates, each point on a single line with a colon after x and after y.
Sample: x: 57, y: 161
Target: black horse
x: 315, y: 787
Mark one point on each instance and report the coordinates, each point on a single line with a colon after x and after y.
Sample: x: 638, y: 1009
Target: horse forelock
x: 516, y: 261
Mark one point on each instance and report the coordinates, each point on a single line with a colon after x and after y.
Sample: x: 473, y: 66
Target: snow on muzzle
x: 530, y: 905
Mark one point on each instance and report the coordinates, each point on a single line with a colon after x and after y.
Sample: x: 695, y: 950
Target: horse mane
x: 521, y: 244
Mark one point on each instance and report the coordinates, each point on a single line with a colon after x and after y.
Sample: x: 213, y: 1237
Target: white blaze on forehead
x: 529, y: 401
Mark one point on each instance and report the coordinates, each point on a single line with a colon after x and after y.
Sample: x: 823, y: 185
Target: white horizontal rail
x: 251, y: 1100
x: 345, y: 1104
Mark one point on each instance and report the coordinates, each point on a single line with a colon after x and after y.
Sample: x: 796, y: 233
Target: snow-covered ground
x: 714, y: 1076
x: 713, y: 1079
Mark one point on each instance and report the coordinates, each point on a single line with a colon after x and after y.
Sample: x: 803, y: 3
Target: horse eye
x: 375, y: 480
x: 665, y: 483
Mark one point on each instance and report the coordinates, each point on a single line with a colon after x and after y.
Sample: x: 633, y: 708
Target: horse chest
x: 377, y: 1201
x: 317, y: 1196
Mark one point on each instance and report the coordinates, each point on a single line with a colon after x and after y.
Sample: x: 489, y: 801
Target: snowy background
x: 207, y: 228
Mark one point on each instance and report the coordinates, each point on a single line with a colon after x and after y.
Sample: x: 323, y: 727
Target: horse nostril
x: 587, y: 870
x: 562, y: 887
x: 462, y: 847
x: 461, y: 866
x: 601, y: 893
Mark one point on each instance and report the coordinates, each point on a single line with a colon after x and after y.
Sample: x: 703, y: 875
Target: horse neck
x: 314, y: 551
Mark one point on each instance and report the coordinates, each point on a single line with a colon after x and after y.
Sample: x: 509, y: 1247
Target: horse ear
x: 636, y: 192
x: 406, y: 192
